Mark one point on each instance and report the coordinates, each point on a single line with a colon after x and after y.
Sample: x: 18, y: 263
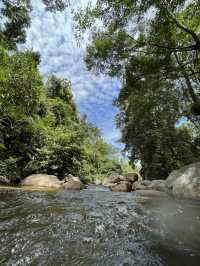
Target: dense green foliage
x: 153, y: 47
x: 40, y: 129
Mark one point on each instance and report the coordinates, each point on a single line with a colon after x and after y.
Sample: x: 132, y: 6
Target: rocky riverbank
x: 182, y: 183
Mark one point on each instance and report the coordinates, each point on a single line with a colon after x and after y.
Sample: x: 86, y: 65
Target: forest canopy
x: 153, y: 48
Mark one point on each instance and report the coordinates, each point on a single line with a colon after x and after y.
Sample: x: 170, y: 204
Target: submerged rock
x: 145, y: 182
x: 185, y: 182
x: 151, y: 193
x: 155, y: 185
x: 42, y: 180
x: 123, y: 186
x: 158, y: 185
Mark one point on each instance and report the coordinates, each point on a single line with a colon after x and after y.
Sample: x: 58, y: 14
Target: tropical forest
x: 100, y: 132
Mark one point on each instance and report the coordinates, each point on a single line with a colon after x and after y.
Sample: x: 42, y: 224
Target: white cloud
x: 53, y: 36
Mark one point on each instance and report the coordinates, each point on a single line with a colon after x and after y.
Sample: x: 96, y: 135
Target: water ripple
x: 97, y: 227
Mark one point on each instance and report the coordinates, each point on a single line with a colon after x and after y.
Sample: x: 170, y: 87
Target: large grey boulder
x: 185, y: 182
x: 42, y: 180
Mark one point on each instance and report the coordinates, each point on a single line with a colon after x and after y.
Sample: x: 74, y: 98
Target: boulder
x: 113, y: 179
x: 4, y: 181
x: 42, y: 180
x: 123, y: 186
x: 138, y: 186
x: 97, y: 182
x: 185, y: 182
x: 71, y: 177
x: 131, y: 177
x: 73, y: 185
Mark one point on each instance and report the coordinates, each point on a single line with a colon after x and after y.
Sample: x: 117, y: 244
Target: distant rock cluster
x: 131, y: 182
x: 184, y: 183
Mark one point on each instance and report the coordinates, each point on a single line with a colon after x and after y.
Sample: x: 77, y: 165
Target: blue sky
x: 52, y: 35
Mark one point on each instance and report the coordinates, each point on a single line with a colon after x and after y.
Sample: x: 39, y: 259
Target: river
x: 97, y: 227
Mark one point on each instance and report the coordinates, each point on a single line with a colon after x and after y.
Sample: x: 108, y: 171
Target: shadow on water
x: 97, y: 227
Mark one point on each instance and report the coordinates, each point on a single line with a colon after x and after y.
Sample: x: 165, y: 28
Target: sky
x: 53, y: 36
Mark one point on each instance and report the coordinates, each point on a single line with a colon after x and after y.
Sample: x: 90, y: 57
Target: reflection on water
x: 97, y: 227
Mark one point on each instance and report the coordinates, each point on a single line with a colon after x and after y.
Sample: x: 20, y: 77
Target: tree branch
x: 184, y: 28
x: 187, y: 79
x: 138, y: 45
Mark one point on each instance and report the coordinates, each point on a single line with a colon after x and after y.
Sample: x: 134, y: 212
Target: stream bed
x: 97, y: 227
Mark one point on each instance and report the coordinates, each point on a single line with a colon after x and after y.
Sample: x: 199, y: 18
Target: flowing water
x: 97, y: 227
